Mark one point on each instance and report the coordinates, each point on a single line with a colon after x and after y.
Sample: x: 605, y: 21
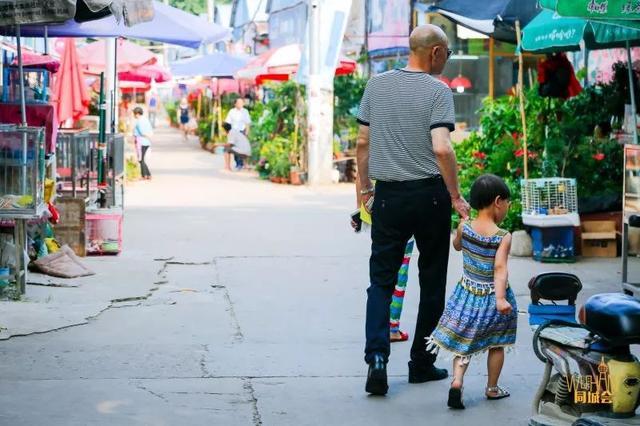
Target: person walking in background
x: 481, y: 314
x: 183, y: 111
x: 142, y: 131
x: 238, y: 145
x: 404, y: 145
x: 240, y: 121
x: 152, y: 108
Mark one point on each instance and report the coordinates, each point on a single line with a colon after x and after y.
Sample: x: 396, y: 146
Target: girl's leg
x: 459, y: 369
x: 495, y: 360
x: 227, y: 161
x: 397, y: 299
x: 455, y: 392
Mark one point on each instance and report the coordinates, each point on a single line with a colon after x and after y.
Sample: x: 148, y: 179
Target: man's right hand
x: 461, y: 206
x: 366, y: 201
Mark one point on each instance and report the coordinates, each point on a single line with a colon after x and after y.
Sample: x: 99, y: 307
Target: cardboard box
x: 599, y: 238
x: 70, y: 229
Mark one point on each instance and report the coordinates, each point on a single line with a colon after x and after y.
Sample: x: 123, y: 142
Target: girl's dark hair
x: 485, y: 189
x: 138, y: 111
x: 226, y: 126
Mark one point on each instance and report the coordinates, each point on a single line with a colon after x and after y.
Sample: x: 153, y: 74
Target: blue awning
x: 495, y: 18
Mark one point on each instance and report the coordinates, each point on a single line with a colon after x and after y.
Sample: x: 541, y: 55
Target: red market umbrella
x: 36, y: 60
x: 146, y: 74
x: 70, y: 96
x: 130, y: 55
x: 280, y: 63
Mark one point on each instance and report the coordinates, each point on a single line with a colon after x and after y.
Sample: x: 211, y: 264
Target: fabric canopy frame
x: 495, y: 18
x: 21, y: 12
x: 169, y: 25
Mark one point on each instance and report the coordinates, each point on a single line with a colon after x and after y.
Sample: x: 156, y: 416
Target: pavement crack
x: 235, y: 324
x: 248, y: 387
x: 157, y: 395
x: 203, y: 362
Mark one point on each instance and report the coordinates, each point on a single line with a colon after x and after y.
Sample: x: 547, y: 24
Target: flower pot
x: 294, y: 177
x: 274, y: 179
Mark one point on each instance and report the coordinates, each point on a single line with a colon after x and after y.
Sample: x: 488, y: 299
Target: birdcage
x: 550, y: 202
x: 22, y: 170
x: 103, y: 231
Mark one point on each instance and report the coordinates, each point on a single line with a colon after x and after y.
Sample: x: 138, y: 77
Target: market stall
x: 25, y: 157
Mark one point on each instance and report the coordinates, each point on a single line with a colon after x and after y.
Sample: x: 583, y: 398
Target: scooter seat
x: 554, y: 286
x: 613, y: 316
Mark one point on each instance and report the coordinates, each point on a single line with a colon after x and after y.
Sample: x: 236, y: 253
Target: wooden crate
x: 599, y: 238
x: 70, y: 229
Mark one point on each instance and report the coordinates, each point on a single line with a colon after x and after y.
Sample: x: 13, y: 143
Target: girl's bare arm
x: 501, y: 275
x: 457, y: 241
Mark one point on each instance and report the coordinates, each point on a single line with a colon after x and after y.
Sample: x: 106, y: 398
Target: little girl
x: 481, y: 313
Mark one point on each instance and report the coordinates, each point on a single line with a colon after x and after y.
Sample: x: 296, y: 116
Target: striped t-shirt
x: 401, y: 108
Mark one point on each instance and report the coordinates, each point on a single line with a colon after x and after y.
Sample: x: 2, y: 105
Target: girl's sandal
x: 455, y: 399
x: 498, y: 393
x: 400, y: 336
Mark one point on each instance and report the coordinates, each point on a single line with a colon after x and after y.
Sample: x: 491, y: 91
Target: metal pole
x: 586, y: 67
x: 23, y: 103
x: 211, y: 15
x: 632, y: 91
x: 492, y: 68
x: 521, y: 96
x: 319, y: 107
x: 114, y: 91
x: 110, y: 76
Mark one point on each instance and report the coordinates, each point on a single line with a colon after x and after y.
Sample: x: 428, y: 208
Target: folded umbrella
x: 70, y: 96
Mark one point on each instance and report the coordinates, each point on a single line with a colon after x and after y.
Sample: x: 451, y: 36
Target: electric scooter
x: 590, y: 377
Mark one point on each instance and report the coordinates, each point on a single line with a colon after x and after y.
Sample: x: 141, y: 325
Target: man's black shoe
x: 377, y: 377
x: 422, y: 374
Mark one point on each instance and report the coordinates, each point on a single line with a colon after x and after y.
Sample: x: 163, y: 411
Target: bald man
x: 405, y: 118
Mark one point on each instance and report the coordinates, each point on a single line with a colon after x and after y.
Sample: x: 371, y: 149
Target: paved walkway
x: 236, y: 302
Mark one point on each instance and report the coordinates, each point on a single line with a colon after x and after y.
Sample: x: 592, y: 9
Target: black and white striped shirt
x: 401, y: 108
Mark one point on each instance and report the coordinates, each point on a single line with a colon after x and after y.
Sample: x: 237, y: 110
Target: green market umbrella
x: 595, y: 9
x: 549, y: 32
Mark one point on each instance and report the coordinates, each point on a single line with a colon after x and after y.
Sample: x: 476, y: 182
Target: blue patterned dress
x: 471, y: 323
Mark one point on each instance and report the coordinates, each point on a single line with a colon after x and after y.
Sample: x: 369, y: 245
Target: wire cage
x: 103, y: 231
x: 36, y: 83
x: 22, y: 171
x: 550, y: 202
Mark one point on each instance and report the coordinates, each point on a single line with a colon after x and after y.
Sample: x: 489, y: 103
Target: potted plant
x: 294, y: 175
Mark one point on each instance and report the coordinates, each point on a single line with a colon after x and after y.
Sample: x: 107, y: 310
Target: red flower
x: 515, y: 136
x: 518, y: 153
x: 532, y: 154
x: 598, y: 157
x: 480, y: 155
x: 518, y: 171
x: 479, y: 166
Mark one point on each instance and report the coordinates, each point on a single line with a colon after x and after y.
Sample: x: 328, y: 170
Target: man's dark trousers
x: 421, y: 209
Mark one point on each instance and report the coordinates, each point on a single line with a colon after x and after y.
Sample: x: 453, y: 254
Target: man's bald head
x: 425, y: 36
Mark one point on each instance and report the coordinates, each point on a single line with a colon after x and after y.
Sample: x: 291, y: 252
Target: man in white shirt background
x: 240, y: 121
x: 238, y: 117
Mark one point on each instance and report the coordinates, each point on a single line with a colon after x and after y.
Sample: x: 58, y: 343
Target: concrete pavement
x: 235, y: 302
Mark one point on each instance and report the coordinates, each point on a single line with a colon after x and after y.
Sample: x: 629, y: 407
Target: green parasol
x: 595, y: 9
x: 549, y: 32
